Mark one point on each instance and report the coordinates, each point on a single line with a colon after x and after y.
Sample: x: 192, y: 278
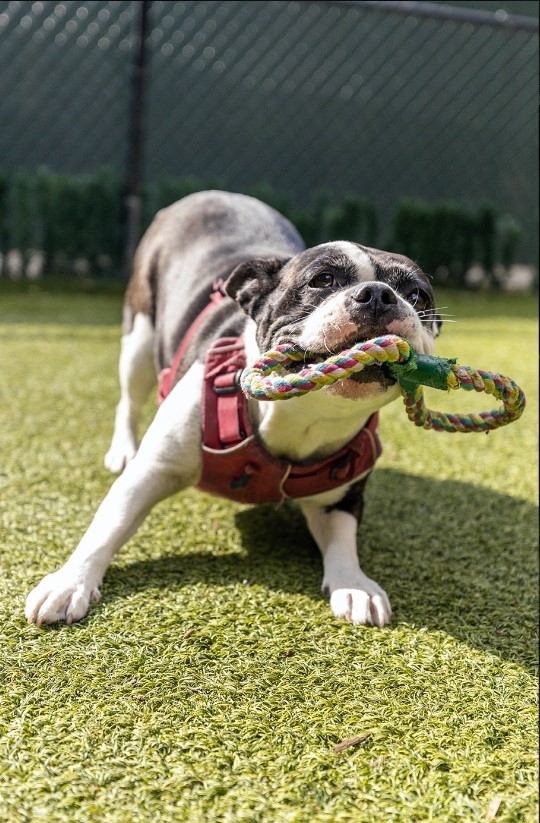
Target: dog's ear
x: 252, y: 280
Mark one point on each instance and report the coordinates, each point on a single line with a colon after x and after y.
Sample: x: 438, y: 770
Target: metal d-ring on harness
x: 268, y: 379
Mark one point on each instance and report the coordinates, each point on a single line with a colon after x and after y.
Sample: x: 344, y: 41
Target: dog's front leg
x: 352, y: 594
x: 167, y: 461
x: 67, y: 593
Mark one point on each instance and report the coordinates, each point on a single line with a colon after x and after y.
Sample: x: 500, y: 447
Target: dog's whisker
x: 326, y: 346
x: 434, y: 314
x: 435, y: 311
x: 429, y: 320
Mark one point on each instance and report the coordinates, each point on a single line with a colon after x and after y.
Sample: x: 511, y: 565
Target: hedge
x: 76, y: 222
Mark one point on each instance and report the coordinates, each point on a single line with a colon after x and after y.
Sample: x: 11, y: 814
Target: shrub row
x: 67, y: 217
x: 447, y: 239
x: 76, y: 223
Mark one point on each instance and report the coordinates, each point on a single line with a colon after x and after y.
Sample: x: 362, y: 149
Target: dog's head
x: 329, y: 297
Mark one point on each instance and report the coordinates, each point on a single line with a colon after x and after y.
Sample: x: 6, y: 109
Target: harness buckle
x: 224, y: 385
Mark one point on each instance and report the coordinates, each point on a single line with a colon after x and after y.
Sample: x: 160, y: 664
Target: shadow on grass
x: 453, y: 558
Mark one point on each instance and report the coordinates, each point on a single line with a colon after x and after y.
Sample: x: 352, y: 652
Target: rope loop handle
x: 268, y: 379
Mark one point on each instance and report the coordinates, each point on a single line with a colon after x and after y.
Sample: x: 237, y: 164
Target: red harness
x: 235, y: 463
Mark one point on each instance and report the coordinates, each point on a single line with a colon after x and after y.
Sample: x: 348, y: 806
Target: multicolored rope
x: 268, y: 379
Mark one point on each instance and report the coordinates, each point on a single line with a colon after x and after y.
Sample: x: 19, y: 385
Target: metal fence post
x: 136, y: 135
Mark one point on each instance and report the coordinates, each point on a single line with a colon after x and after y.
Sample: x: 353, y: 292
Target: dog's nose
x: 377, y: 297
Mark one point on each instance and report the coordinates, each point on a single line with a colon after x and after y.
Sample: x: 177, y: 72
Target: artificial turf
x: 212, y: 682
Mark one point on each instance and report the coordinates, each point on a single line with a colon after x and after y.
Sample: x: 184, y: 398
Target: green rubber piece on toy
x: 421, y: 369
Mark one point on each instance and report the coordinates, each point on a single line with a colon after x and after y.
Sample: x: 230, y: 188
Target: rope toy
x: 269, y: 379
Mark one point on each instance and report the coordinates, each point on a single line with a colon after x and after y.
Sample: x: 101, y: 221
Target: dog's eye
x: 322, y: 281
x: 418, y: 299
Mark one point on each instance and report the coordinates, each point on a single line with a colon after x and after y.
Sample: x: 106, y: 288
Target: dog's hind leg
x: 137, y: 377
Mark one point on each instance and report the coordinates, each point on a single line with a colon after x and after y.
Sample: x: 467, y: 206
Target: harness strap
x: 225, y: 421
x: 167, y: 375
x: 352, y: 462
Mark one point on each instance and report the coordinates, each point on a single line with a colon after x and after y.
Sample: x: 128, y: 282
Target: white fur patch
x: 358, y: 257
x: 250, y: 342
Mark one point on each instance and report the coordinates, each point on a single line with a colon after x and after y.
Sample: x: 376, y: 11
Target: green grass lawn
x: 212, y: 682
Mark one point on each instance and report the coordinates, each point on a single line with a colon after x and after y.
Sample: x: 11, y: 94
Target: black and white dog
x: 325, y: 299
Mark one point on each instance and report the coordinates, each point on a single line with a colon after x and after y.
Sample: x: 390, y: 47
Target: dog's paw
x: 365, y: 604
x: 121, y: 451
x: 60, y: 596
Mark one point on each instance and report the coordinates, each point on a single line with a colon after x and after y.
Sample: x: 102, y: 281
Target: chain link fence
x: 378, y: 100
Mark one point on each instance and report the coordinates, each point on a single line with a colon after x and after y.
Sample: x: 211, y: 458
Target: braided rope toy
x: 269, y: 379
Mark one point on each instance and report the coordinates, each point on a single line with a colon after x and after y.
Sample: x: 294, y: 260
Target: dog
x: 318, y: 449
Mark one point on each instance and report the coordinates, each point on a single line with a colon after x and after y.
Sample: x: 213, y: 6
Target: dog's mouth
x: 369, y: 374
x: 373, y: 374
